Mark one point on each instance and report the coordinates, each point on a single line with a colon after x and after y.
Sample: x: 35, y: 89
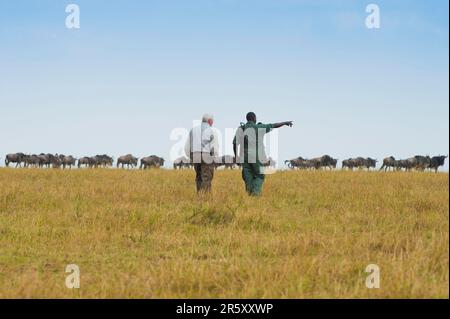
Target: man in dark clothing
x: 249, y: 139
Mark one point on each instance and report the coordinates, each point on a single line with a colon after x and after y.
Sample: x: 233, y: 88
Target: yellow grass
x: 146, y: 234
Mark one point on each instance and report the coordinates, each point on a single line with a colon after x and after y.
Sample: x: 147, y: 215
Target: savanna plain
x: 146, y: 234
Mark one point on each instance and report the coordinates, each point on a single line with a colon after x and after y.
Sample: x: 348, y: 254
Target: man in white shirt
x: 202, y: 147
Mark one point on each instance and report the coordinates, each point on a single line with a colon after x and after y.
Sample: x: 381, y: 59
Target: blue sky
x: 135, y: 70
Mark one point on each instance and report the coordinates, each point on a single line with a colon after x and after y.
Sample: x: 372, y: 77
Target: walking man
x: 249, y: 139
x: 202, y: 147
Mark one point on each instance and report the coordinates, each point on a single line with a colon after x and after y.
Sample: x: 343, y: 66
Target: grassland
x: 138, y: 234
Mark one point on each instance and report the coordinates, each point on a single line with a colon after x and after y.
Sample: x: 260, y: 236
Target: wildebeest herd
x: 103, y: 161
x: 41, y: 160
x: 418, y: 162
x: 324, y: 161
x: 62, y: 161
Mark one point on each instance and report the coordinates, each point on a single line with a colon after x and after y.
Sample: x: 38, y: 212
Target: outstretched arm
x: 277, y: 125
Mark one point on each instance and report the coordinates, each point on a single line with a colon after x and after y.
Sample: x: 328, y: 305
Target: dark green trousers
x: 253, y: 178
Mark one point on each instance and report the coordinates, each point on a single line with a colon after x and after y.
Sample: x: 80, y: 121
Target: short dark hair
x: 251, y: 116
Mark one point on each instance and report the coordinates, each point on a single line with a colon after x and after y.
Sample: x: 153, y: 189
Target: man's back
x: 250, y: 138
x: 202, y: 139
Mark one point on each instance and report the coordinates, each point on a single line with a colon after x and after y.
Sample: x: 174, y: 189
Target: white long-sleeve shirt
x: 202, y: 139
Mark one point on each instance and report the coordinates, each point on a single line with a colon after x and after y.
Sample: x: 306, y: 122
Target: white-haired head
x: 207, y: 118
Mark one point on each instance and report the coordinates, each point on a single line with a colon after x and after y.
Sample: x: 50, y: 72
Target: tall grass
x: 146, y: 234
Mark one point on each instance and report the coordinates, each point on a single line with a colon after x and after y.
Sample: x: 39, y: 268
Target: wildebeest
x: 370, y: 163
x: 44, y: 160
x: 349, y: 163
x: 366, y: 162
x: 407, y: 164
x: 420, y: 162
x: 182, y: 162
x: 437, y: 161
x: 102, y: 160
x: 270, y: 162
x: 388, y: 163
x: 49, y: 160
x: 292, y: 163
x: 332, y: 163
x: 309, y: 164
x: 32, y: 161
x: 325, y: 161
x: 151, y: 161
x: 417, y: 162
x: 17, y: 158
x: 86, y: 161
x: 359, y: 162
x: 67, y: 161
x: 55, y: 160
x: 299, y: 163
x: 128, y: 160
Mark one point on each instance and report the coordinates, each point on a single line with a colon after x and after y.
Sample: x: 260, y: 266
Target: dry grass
x: 147, y: 234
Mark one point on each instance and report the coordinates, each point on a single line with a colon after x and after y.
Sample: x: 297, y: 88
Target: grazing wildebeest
x: 437, y: 161
x: 182, y: 162
x: 151, y: 161
x: 128, y: 160
x: 389, y: 162
x: 17, y: 158
x: 67, y: 161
